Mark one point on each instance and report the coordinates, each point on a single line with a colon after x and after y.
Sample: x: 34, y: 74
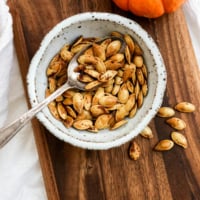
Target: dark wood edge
x: 38, y: 129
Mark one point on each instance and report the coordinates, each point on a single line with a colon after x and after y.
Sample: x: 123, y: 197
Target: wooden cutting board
x: 73, y: 173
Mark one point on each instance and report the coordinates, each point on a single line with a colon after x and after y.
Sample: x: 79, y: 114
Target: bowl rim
x: 160, y: 90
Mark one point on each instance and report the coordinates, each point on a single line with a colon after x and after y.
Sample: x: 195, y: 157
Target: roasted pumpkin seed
x: 128, y: 54
x: 97, y: 95
x: 176, y: 123
x: 123, y: 94
x: 140, y: 99
x: 53, y: 109
x: 87, y: 59
x: 105, y: 43
x: 147, y: 132
x: 118, y: 124
x: 92, y: 85
x: 97, y: 110
x: 121, y: 113
x: 185, y: 107
x: 100, y: 66
x: 113, y: 48
x: 138, y: 61
x: 65, y: 54
x: 85, y: 78
x: 115, y: 89
x: 116, y: 34
x: 130, y: 86
x: 75, y: 49
x: 134, y: 151
x: 108, y: 100
x: 164, y: 145
x: 102, y: 122
x: 99, y: 51
x: 87, y: 100
x: 84, y: 115
x: 71, y: 112
x: 61, y: 111
x: 179, y: 139
x: 52, y: 84
x: 119, y: 57
x: 128, y: 71
x: 78, y: 102
x: 83, y: 124
x: 130, y: 102
x: 133, y: 111
x: 68, y: 122
x: 129, y: 41
x: 108, y: 75
x: 93, y: 73
x: 166, y: 112
x: 137, y: 50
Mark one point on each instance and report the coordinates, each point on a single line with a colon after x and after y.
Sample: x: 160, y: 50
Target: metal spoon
x: 8, y: 132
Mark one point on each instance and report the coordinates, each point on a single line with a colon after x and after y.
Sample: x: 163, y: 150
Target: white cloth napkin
x: 20, y: 173
x: 6, y: 57
x: 192, y: 13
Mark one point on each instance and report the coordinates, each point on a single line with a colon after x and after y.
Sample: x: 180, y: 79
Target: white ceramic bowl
x: 97, y: 24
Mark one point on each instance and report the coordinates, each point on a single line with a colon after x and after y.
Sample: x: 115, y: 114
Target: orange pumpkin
x: 149, y: 8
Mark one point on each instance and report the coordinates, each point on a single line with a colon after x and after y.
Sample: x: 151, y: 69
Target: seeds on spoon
x: 108, y: 75
x: 99, y: 51
x: 87, y: 59
x: 113, y: 48
x: 119, y: 57
x: 92, y: 85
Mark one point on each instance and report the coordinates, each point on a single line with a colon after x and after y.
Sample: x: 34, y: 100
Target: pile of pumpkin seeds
x: 116, y: 83
x: 177, y: 137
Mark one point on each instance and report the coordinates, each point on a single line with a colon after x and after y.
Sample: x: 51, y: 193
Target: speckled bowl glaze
x: 97, y: 24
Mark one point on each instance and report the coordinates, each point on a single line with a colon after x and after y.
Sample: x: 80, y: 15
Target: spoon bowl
x: 72, y: 78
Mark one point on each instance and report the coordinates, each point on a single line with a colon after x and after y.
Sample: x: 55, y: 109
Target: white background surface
x: 20, y: 174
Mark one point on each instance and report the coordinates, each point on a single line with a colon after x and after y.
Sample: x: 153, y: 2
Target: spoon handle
x: 7, y: 132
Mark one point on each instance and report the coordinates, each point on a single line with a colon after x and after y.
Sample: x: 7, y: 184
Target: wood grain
x: 44, y: 156
x: 73, y: 173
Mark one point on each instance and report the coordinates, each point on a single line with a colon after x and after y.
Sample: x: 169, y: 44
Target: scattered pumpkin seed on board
x: 177, y: 138
x: 164, y: 145
x: 134, y: 150
x: 176, y: 123
x: 185, y: 107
